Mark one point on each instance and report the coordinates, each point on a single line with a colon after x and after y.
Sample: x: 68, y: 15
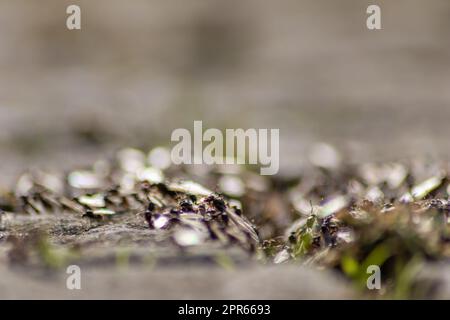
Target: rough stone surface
x: 199, y: 282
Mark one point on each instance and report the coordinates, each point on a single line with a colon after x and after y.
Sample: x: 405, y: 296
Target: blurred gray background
x: 137, y: 70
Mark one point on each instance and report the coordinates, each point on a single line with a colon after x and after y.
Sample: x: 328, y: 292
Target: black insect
x: 91, y: 215
x: 216, y: 202
x: 186, y: 206
x: 149, y: 214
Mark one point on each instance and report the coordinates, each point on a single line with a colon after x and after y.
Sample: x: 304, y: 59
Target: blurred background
x: 138, y: 70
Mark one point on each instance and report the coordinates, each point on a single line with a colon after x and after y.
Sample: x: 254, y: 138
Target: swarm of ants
x: 340, y: 217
